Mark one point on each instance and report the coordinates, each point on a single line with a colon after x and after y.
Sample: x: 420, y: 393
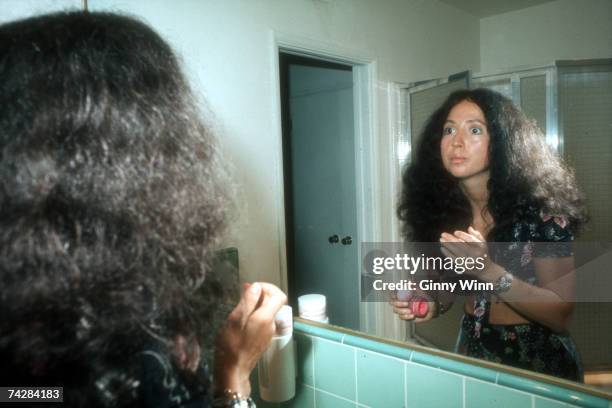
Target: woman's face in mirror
x: 465, y: 141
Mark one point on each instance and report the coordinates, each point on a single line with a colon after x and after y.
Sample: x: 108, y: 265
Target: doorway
x: 319, y: 169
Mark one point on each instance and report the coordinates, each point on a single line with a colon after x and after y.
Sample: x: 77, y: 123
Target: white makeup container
x: 276, y: 369
x: 313, y: 307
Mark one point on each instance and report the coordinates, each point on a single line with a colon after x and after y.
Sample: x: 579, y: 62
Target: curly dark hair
x: 111, y: 200
x: 524, y: 172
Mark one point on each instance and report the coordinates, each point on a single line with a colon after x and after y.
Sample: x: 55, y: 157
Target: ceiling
x: 486, y: 8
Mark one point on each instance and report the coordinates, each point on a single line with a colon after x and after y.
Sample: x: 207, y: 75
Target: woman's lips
x: 457, y: 159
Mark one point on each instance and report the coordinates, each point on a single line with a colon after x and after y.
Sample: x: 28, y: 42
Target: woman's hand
x: 245, y: 336
x: 546, y: 304
x: 404, y: 311
x: 470, y: 244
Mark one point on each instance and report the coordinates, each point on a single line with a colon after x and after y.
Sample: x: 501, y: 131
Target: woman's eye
x: 448, y: 131
x: 476, y: 131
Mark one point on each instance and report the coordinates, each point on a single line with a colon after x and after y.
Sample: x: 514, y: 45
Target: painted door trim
x: 366, y: 150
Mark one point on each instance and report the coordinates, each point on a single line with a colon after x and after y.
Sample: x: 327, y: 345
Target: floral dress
x: 530, y: 346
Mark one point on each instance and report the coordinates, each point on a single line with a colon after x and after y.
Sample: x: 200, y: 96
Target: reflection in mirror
x: 474, y: 178
x: 559, y: 80
x: 570, y: 102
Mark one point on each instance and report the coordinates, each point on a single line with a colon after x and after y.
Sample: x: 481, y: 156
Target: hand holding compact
x: 405, y: 308
x: 246, y: 335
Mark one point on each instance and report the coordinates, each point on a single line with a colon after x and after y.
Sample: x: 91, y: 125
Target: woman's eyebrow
x: 469, y: 121
x: 476, y: 120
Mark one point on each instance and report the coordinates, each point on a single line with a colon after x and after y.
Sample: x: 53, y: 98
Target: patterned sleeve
x: 553, y: 237
x: 162, y: 386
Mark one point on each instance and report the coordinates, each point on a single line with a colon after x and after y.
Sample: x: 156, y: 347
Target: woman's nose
x: 458, y: 139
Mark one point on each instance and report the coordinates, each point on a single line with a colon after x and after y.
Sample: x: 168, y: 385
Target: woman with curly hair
x: 111, y: 201
x: 483, y: 173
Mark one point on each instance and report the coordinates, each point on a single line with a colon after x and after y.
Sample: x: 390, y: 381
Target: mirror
x: 388, y: 65
x: 557, y: 81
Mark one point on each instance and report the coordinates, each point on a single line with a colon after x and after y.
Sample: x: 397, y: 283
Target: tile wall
x: 337, y: 370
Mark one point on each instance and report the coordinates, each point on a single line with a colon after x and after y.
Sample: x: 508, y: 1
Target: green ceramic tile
x: 305, y: 359
x: 322, y: 332
x: 334, y: 368
x: 547, y: 403
x: 325, y: 400
x: 551, y: 391
x: 304, y: 398
x: 380, y: 380
x: 454, y: 366
x: 479, y: 394
x: 428, y: 387
x: 377, y: 347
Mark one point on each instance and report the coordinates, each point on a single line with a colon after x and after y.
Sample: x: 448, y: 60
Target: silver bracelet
x: 231, y: 399
x: 504, y: 283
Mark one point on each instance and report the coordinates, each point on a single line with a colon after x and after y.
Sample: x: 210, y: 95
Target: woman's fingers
x: 476, y: 233
x: 273, y: 291
x: 403, y: 310
x: 462, y: 244
x: 399, y: 303
x: 249, y: 300
x: 401, y: 307
x: 260, y: 299
x: 446, y: 237
x: 466, y: 237
x: 403, y: 313
x: 479, y: 247
x: 453, y: 248
x: 273, y: 301
x: 452, y: 243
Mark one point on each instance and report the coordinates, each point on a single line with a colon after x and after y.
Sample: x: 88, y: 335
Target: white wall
x: 563, y: 29
x: 228, y: 53
x: 16, y: 9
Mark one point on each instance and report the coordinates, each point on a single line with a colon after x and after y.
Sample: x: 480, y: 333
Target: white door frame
x: 366, y: 149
